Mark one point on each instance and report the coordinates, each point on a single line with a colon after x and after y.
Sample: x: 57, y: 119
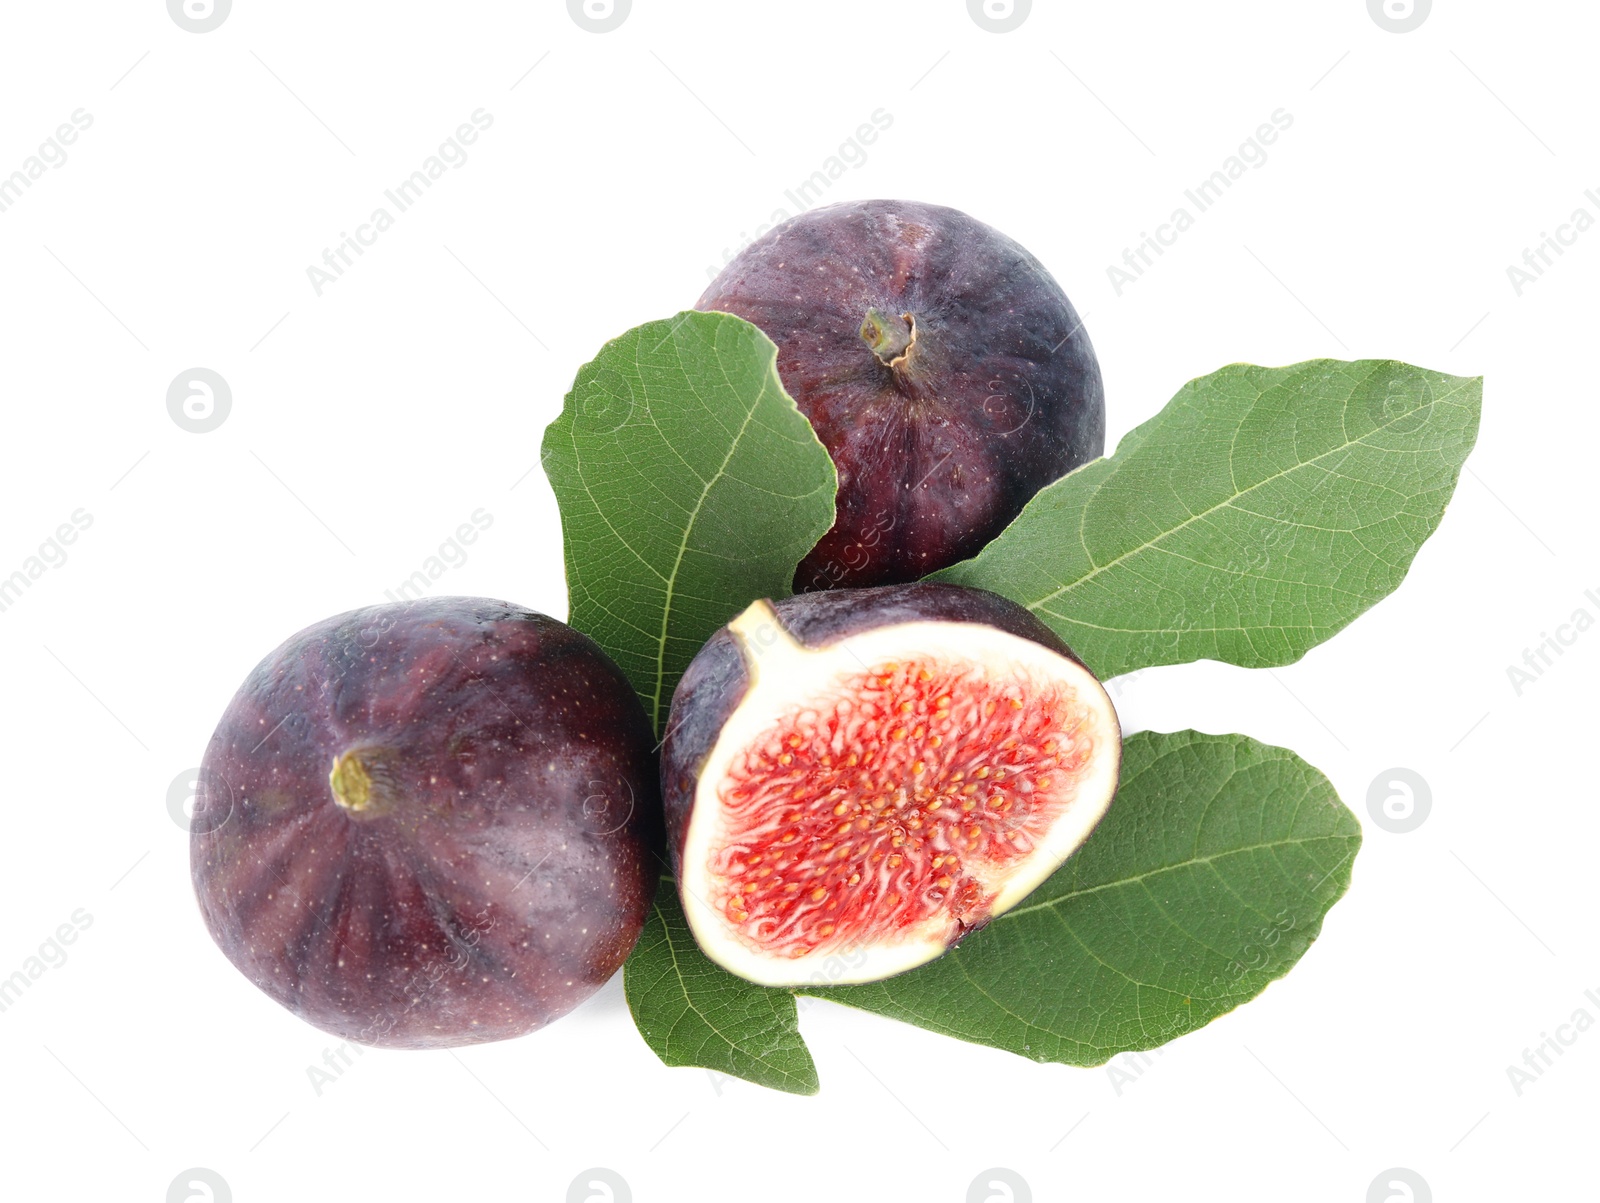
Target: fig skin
x: 490, y: 865
x: 718, y: 678
x: 939, y: 439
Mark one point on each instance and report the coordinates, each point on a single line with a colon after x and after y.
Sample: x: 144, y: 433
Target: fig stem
x: 351, y: 783
x: 890, y: 338
x: 764, y: 640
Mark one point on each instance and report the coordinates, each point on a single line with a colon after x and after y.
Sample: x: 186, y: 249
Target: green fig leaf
x: 689, y: 485
x: 1256, y: 515
x: 1208, y: 879
x: 693, y: 1012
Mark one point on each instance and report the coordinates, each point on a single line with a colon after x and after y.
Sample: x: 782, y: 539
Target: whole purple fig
x: 939, y: 363
x: 428, y: 824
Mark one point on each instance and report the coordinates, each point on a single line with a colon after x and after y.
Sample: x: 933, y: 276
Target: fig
x: 939, y: 363
x: 429, y: 824
x: 854, y: 780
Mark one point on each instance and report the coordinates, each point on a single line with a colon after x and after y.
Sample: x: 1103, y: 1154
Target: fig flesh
x: 855, y: 780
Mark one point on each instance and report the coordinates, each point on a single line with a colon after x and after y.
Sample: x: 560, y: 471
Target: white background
x: 369, y: 422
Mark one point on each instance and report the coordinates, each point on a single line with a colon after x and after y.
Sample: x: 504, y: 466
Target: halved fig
x: 855, y: 780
